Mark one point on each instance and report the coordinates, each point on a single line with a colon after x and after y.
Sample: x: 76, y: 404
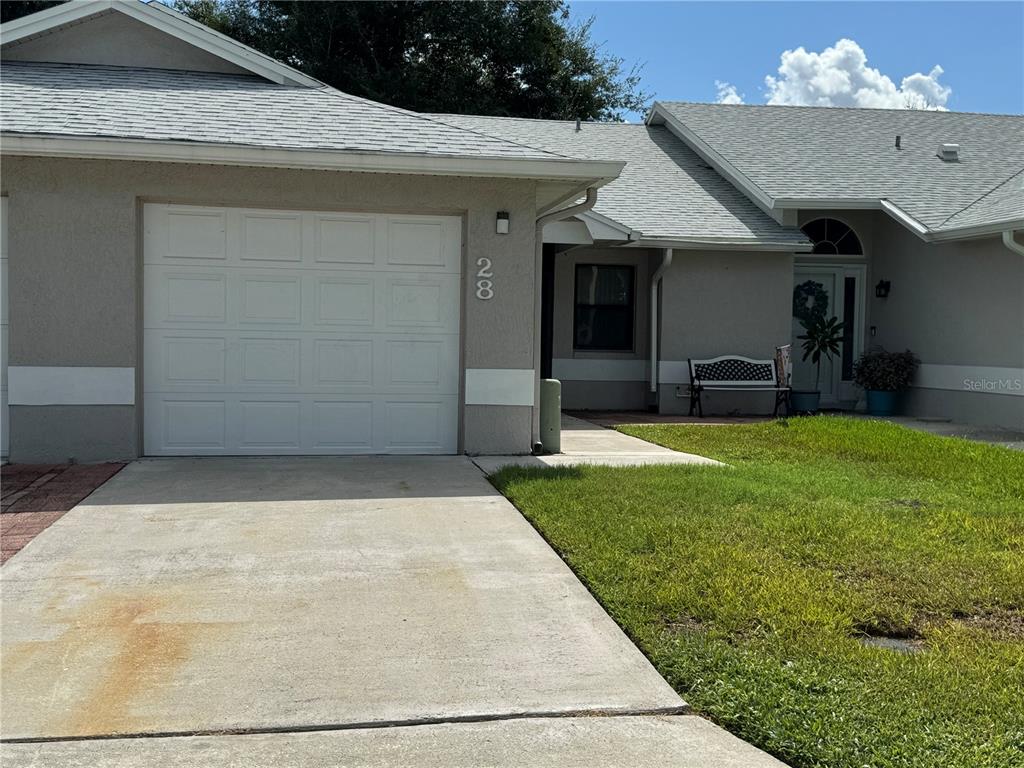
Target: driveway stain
x: 140, y: 657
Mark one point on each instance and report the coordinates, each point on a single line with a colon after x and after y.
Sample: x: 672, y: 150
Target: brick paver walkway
x: 34, y: 496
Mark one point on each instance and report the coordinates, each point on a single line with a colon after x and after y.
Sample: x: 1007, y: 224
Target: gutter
x: 666, y: 262
x: 1011, y: 242
x: 538, y: 284
x: 211, y: 153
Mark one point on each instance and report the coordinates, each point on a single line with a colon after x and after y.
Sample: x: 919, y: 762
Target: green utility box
x: 551, y: 415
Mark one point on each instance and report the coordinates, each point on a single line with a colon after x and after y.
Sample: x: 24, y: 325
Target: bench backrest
x: 733, y: 370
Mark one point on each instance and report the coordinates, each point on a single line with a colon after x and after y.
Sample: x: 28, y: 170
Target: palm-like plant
x: 822, y: 338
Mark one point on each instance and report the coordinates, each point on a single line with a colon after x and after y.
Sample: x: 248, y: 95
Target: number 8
x: 484, y: 289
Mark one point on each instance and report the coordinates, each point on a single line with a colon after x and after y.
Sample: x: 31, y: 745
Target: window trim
x: 632, y: 305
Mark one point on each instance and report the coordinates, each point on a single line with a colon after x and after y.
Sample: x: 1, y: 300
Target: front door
x: 831, y: 291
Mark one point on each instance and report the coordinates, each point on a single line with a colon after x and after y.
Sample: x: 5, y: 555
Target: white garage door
x: 284, y: 332
x: 4, y: 431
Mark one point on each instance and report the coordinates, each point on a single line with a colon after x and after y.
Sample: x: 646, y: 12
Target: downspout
x: 666, y: 262
x: 538, y: 270
x: 1010, y: 242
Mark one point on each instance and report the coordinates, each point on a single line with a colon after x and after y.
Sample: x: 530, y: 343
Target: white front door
x: 291, y: 332
x: 834, y: 291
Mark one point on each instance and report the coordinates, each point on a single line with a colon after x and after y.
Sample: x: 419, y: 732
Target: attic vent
x: 949, y: 152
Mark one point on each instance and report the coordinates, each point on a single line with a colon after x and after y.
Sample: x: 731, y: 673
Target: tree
x: 14, y: 9
x: 508, y: 57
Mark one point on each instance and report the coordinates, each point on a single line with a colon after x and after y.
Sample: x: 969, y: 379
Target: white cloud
x: 840, y: 77
x: 727, y: 93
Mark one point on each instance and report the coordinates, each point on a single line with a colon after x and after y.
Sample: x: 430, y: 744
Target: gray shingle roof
x: 666, y: 191
x: 1003, y: 203
x: 832, y: 153
x: 119, y: 102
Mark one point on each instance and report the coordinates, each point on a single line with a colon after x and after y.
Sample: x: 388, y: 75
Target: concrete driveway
x: 384, y: 601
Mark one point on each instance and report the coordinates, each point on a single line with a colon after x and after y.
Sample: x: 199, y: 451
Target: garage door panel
x: 190, y: 361
x: 344, y: 239
x: 3, y: 328
x: 415, y: 242
x: 420, y: 302
x: 344, y: 301
x: 188, y: 425
x: 271, y: 237
x: 191, y: 297
x: 342, y: 362
x: 417, y: 426
x: 270, y: 362
x: 184, y: 233
x: 300, y: 332
x: 270, y: 299
x: 343, y: 425
x: 269, y: 425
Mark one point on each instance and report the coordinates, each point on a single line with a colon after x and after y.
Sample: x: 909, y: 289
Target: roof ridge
x: 601, y: 123
x: 896, y: 110
x: 427, y: 116
x: 973, y: 203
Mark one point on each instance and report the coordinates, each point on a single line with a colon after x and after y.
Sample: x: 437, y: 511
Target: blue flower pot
x: 804, y: 402
x: 881, y: 403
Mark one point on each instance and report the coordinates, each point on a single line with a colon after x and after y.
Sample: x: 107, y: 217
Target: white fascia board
x: 722, y: 244
x: 166, y: 20
x: 975, y: 230
x: 604, y: 228
x: 51, y: 18
x: 659, y: 116
x: 900, y: 215
x: 596, y: 173
x: 904, y: 218
x: 810, y: 203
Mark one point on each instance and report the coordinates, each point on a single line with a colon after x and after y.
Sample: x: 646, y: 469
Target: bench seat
x: 735, y: 373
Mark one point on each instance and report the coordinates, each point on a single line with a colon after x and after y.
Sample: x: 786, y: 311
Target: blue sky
x: 687, y: 47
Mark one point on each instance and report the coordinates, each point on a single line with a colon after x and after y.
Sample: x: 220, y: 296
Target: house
x: 208, y: 252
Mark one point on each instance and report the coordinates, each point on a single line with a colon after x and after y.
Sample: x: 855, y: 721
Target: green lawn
x: 751, y: 587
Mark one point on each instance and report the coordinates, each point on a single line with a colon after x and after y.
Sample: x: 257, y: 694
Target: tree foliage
x: 15, y: 9
x: 507, y: 57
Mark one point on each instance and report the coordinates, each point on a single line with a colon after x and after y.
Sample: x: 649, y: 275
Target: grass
x: 751, y: 588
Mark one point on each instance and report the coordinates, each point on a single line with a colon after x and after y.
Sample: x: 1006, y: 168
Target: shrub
x: 886, y: 371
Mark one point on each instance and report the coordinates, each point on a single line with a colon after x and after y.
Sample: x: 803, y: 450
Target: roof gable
x: 93, y: 31
x: 799, y: 157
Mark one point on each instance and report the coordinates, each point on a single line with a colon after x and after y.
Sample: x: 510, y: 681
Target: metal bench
x: 734, y: 373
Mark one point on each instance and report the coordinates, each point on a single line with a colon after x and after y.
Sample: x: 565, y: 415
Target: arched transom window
x: 833, y: 238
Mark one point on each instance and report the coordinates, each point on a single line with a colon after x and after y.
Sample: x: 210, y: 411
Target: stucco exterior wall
x: 75, y: 277
x: 100, y: 41
x: 958, y: 305
x: 595, y: 380
x: 722, y: 303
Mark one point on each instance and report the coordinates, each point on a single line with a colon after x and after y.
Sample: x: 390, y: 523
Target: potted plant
x: 883, y: 375
x: 821, y: 338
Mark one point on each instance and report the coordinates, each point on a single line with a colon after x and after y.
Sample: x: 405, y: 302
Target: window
x: 832, y: 237
x: 604, y: 308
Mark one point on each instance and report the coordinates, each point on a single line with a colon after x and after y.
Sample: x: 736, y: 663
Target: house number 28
x: 484, y: 283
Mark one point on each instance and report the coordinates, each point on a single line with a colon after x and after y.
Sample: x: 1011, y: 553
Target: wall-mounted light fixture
x: 501, y: 223
x: 882, y: 289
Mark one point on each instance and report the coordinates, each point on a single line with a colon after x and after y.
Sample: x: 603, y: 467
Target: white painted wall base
x: 989, y: 380
x: 56, y: 385
x: 500, y: 386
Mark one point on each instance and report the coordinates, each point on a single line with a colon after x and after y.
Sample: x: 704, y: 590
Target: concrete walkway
x: 584, y: 442
x: 315, y: 611
x: 1007, y: 438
